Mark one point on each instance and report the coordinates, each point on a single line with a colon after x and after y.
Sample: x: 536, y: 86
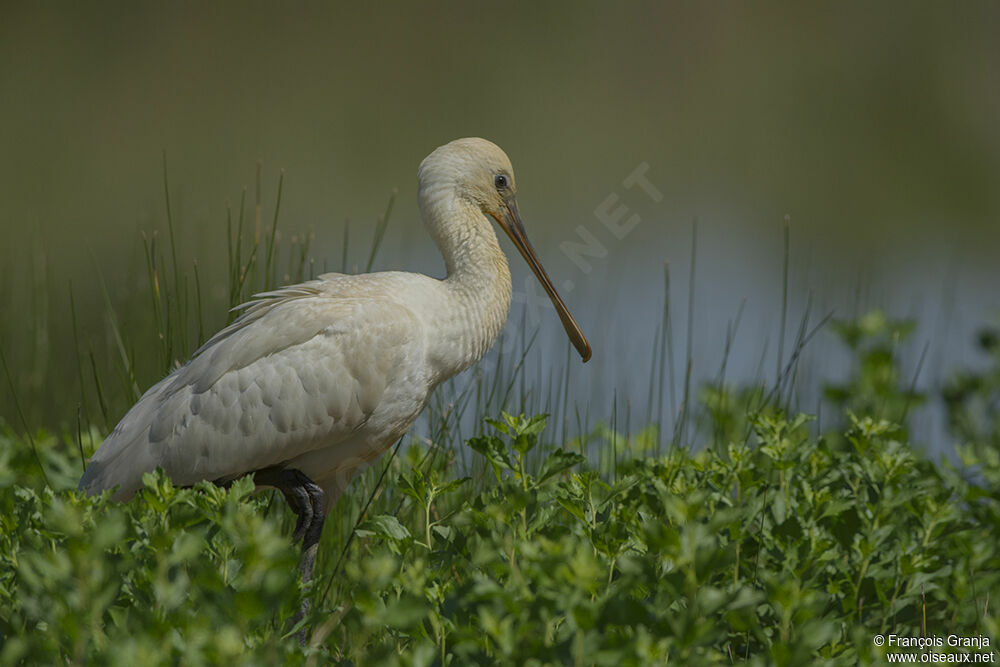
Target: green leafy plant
x: 180, y: 575
x: 876, y: 386
x: 972, y: 400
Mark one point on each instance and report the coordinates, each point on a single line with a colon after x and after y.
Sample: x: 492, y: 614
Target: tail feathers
x: 126, y: 453
x: 122, y: 471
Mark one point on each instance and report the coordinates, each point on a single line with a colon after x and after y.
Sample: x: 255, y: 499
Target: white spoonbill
x: 315, y: 380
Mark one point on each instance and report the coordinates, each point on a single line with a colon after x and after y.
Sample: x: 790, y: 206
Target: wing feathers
x: 302, y: 368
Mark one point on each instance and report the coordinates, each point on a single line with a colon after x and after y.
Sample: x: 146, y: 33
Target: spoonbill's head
x: 477, y: 172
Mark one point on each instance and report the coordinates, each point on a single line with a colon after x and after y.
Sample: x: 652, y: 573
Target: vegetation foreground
x: 780, y: 547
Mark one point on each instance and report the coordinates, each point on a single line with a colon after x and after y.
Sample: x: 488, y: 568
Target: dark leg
x: 306, y: 500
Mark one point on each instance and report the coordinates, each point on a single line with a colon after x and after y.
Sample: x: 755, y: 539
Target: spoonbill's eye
x: 500, y: 181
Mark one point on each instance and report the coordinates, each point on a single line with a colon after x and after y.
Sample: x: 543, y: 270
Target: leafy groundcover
x: 790, y: 549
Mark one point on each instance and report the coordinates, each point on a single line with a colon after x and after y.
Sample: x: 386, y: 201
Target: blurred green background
x: 875, y: 127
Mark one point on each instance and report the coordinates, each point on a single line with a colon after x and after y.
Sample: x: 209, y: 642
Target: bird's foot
x: 306, y: 499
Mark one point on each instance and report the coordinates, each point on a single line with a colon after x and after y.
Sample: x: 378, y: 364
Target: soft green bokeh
x: 873, y: 125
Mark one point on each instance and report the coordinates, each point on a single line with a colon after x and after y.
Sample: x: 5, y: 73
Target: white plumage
x: 323, y: 376
x: 343, y: 366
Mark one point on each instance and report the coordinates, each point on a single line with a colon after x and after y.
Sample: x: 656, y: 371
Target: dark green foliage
x: 795, y: 549
x: 876, y: 387
x: 789, y: 549
x: 193, y: 576
x: 973, y: 403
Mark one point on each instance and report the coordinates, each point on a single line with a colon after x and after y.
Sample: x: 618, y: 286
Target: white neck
x: 477, y: 288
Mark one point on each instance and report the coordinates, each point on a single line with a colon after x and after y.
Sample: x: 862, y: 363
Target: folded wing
x: 302, y: 368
